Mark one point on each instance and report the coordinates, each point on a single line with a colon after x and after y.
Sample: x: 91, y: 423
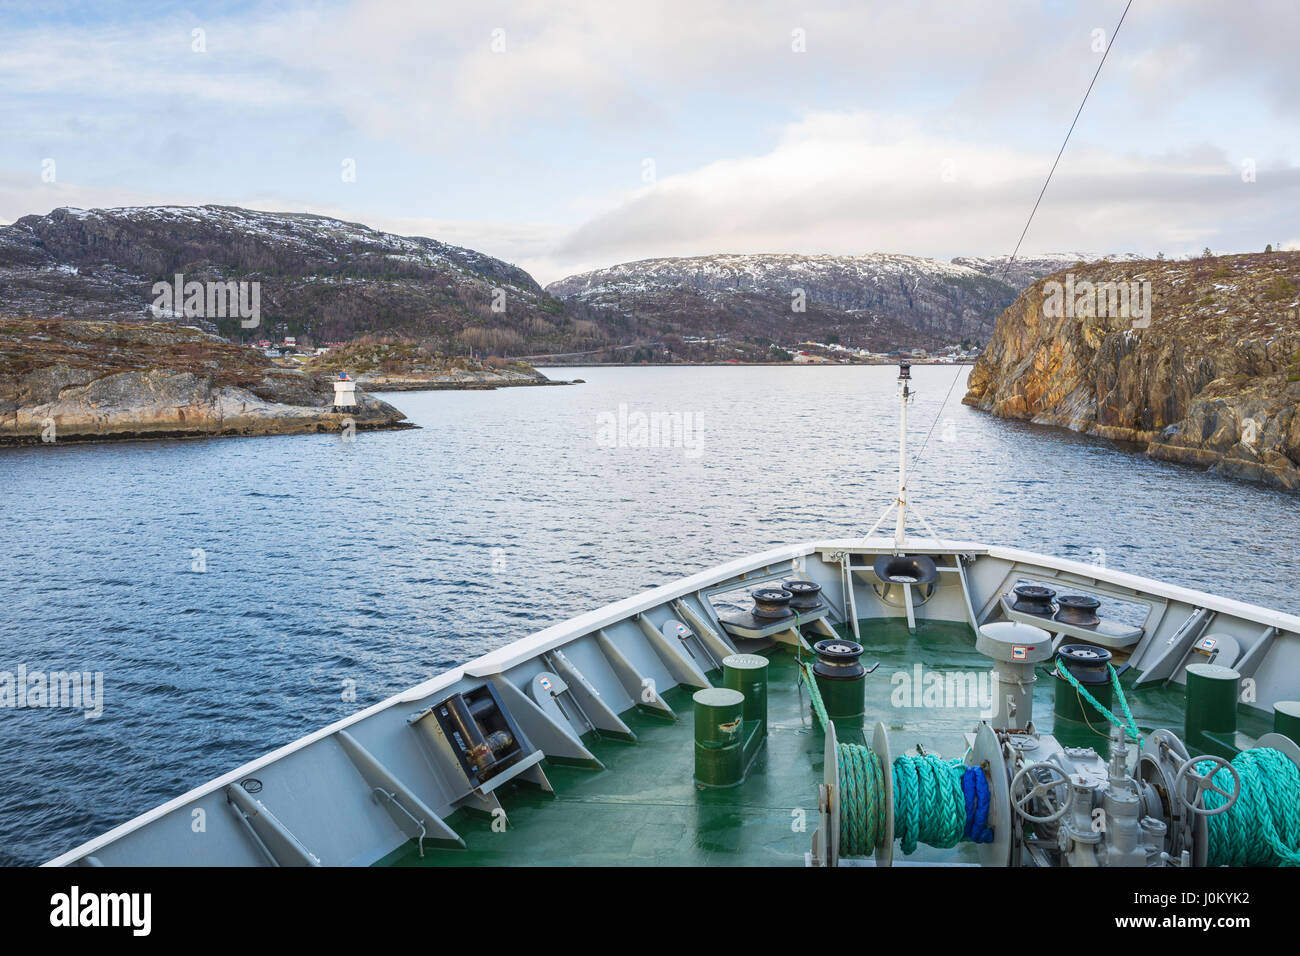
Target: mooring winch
x: 804, y: 595
x: 1034, y: 599
x: 1075, y: 719
x: 841, y: 680
x: 772, y: 603
x: 1078, y: 609
x: 1024, y: 798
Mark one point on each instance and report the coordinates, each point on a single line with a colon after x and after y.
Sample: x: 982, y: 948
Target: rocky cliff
x: 1209, y: 377
x: 78, y: 380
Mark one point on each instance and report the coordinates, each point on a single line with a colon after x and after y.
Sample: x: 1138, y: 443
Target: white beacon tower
x: 345, y: 393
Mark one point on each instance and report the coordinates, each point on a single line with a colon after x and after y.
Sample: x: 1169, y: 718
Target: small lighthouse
x: 345, y: 394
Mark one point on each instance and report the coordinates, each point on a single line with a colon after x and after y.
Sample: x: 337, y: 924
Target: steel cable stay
x: 901, y: 502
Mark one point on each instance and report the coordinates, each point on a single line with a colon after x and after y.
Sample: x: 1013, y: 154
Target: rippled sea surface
x: 231, y: 591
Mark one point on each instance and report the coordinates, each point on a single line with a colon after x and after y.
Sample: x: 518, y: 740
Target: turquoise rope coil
x: 1263, y: 827
x: 930, y: 803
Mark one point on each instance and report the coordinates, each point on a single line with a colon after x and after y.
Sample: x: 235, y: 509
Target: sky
x: 567, y: 136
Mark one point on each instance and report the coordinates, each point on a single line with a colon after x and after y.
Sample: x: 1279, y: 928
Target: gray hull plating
x: 363, y: 787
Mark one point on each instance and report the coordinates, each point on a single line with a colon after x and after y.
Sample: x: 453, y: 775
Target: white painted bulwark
x: 341, y: 823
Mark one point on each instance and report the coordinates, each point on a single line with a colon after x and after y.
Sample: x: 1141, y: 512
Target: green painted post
x: 1286, y: 719
x: 747, y: 673
x: 719, y: 737
x: 1211, y: 717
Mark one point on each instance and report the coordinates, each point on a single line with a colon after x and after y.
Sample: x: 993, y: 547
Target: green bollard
x: 1286, y: 719
x: 841, y: 681
x: 747, y: 673
x: 719, y: 737
x: 1210, y: 721
x: 1088, y: 665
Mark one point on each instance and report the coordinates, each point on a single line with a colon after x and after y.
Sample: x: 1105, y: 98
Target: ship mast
x: 900, y: 502
x: 905, y: 395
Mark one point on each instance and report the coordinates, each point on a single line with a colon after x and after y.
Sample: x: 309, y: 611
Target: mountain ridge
x: 325, y: 279
x: 928, y: 300
x: 321, y: 278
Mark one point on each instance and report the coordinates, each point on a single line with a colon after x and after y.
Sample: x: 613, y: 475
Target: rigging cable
x: 1114, y: 35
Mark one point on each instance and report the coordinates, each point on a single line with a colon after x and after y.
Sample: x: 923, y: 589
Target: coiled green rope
x: 1263, y: 827
x: 929, y: 805
x: 862, y: 804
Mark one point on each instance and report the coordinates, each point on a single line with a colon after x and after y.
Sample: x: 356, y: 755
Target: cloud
x: 847, y: 183
x: 24, y: 194
x: 528, y: 245
x: 153, y: 59
x: 855, y: 183
x: 526, y: 150
x: 393, y: 67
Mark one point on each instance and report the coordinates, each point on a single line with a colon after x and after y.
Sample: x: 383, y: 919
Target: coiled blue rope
x: 975, y: 787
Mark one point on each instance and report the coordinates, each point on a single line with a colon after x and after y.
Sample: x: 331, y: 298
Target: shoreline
x: 418, y: 385
x: 93, y: 381
x: 892, y: 364
x: 1199, y: 461
x: 316, y: 428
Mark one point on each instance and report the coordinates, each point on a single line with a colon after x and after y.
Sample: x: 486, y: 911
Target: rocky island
x: 395, y: 365
x: 1202, y: 368
x: 83, y: 380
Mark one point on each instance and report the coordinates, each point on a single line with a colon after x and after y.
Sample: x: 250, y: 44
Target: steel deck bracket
x: 986, y: 752
x: 407, y: 810
x: 272, y: 837
x: 675, y: 656
x: 591, y: 706
x: 639, y: 687
x: 880, y: 744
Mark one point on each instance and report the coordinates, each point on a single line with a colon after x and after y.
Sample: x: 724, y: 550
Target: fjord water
x: 239, y: 593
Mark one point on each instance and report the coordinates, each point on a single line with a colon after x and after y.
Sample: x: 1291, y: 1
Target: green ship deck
x: 644, y: 808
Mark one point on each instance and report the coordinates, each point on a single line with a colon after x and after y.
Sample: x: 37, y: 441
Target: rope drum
x: 1263, y: 827
x: 937, y: 802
